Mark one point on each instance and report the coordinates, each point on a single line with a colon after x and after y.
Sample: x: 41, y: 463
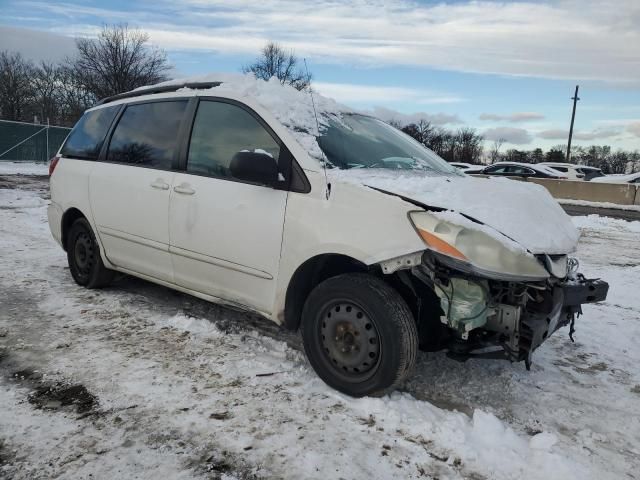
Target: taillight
x: 52, y: 164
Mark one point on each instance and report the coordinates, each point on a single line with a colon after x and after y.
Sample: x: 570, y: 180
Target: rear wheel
x: 83, y: 255
x: 359, y: 334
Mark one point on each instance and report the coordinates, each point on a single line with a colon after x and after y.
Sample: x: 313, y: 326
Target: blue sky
x: 507, y: 69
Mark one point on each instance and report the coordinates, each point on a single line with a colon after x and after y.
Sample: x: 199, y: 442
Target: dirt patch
x: 224, y: 465
x: 57, y: 396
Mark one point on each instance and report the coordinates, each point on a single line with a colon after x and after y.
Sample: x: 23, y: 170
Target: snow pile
x: 23, y: 168
x: 524, y: 212
x: 293, y: 108
x: 482, y: 440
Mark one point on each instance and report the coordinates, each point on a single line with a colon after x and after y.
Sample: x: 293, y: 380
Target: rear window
x: 86, y: 138
x: 147, y: 134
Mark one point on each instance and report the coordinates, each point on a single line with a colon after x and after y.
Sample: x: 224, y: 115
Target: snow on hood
x: 524, y: 212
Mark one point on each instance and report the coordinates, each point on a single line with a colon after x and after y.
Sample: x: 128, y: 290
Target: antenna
x: 324, y: 162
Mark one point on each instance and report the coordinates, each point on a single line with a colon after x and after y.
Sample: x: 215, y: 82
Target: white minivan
x: 255, y: 195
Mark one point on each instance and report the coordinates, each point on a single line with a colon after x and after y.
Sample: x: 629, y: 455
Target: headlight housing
x: 475, y: 248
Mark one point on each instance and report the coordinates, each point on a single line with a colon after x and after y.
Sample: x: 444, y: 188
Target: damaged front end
x: 477, y: 298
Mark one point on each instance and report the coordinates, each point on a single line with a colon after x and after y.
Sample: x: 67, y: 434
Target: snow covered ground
x: 23, y: 168
x: 137, y: 381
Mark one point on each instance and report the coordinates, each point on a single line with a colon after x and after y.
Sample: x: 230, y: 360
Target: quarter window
x: 86, y: 139
x: 220, y: 131
x: 147, y: 134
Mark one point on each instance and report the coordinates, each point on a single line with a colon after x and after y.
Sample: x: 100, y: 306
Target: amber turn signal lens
x: 440, y: 245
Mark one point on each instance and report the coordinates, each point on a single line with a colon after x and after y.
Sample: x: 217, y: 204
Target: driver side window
x: 221, y: 131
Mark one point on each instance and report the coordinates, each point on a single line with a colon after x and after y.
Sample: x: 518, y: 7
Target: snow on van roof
x: 291, y: 107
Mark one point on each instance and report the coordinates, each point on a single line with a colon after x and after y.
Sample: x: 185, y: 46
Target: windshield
x: 360, y: 141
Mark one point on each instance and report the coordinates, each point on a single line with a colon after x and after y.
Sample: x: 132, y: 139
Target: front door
x: 226, y: 234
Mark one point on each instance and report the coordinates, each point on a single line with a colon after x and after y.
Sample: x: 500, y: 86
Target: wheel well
x: 310, y: 274
x: 68, y: 218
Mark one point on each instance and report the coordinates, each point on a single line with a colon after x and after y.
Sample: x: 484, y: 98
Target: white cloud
x: 513, y: 117
x: 560, y: 134
x: 515, y: 136
x: 36, y: 45
x: 588, y: 40
x: 634, y: 128
x: 390, y: 115
x: 349, y: 92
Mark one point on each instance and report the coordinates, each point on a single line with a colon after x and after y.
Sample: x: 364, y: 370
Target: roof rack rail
x: 159, y: 89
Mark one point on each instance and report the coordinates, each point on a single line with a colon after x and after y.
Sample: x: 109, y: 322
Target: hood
x: 524, y: 212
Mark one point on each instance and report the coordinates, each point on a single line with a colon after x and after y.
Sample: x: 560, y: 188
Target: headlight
x: 475, y: 248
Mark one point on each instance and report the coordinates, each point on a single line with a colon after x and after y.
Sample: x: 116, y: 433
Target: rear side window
x: 147, y: 134
x: 220, y: 131
x: 561, y: 169
x: 87, y: 137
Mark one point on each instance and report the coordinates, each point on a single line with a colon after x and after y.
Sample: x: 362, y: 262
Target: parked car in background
x: 573, y: 171
x: 217, y: 189
x: 462, y: 166
x: 633, y: 178
x: 515, y: 169
x: 475, y: 169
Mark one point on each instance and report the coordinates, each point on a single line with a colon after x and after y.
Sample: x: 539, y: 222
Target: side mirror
x: 254, y: 167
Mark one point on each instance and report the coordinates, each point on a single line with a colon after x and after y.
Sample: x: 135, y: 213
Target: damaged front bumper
x: 538, y: 321
x: 520, y: 319
x: 501, y: 318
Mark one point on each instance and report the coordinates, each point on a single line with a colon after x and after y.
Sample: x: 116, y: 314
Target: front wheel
x: 359, y: 334
x: 83, y: 255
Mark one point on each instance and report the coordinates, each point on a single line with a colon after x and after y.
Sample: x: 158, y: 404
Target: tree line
x: 466, y: 145
x: 462, y: 145
x: 600, y: 156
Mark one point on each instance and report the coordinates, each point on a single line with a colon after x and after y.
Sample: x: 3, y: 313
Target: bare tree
x: 468, y: 145
x: 74, y: 99
x: 16, y: 91
x: 275, y: 61
x: 46, y: 82
x: 117, y: 61
x: 494, y: 153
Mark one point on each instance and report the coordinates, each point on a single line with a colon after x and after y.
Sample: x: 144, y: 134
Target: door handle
x: 160, y: 184
x: 184, y: 189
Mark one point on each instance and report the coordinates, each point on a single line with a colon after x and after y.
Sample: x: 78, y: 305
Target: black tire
x: 83, y: 255
x: 359, y: 335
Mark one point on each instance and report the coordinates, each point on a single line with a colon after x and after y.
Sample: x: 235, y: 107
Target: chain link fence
x: 30, y: 142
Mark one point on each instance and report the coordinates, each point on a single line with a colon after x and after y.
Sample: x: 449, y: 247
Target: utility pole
x: 575, y: 99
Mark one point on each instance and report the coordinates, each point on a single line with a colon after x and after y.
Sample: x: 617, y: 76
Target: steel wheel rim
x: 83, y: 254
x: 349, y: 340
